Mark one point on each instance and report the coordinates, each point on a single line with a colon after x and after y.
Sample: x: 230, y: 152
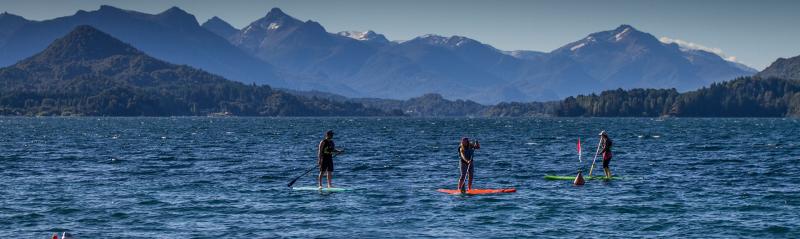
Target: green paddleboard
x: 319, y: 189
x: 556, y: 177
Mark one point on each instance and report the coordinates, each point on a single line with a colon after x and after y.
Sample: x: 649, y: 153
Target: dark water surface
x: 226, y: 177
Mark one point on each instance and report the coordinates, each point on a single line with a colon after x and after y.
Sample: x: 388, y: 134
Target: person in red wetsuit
x: 327, y: 149
x: 605, y: 149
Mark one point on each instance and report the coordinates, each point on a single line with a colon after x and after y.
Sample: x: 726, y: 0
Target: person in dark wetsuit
x: 605, y: 149
x: 465, y: 152
x: 325, y: 158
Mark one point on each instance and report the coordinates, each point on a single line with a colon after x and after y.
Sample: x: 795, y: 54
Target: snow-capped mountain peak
x: 621, y: 35
x: 368, y: 35
x: 452, y: 41
x: 274, y: 20
x: 433, y: 39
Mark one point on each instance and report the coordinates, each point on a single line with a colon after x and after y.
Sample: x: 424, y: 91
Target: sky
x: 754, y: 33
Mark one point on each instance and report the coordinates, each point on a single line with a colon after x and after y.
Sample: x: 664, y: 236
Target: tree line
x: 741, y: 97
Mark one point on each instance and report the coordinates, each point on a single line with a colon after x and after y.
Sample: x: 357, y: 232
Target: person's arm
x: 333, y: 150
x: 461, y: 155
x: 320, y: 151
x: 603, y: 146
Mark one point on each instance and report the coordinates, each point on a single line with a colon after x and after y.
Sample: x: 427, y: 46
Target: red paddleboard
x: 479, y: 191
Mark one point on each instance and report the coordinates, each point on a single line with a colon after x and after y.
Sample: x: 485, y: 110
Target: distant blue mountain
x: 172, y: 35
x: 220, y: 27
x: 302, y: 46
x: 455, y: 67
x: 628, y: 58
x: 784, y: 68
x: 10, y: 23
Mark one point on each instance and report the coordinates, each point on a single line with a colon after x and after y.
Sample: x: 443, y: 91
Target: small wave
x: 150, y: 202
x: 61, y: 210
x: 27, y: 216
x: 359, y: 168
x: 777, y: 229
x: 119, y: 215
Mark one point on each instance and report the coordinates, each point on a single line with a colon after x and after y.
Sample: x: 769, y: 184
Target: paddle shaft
x: 596, y: 152
x: 470, y: 164
x: 309, y: 170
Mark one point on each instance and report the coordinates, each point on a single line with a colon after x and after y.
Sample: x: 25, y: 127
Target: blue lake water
x: 226, y: 177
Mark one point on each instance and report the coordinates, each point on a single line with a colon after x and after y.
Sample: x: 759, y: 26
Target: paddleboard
x: 555, y: 177
x: 324, y: 189
x: 479, y: 191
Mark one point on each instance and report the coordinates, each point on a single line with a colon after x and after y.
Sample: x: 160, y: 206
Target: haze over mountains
x: 283, y: 51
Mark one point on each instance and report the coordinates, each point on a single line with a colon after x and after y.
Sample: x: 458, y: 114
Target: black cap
x: 329, y: 132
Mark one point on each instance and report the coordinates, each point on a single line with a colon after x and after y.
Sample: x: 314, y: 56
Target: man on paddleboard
x: 605, y: 149
x: 325, y: 158
x: 465, y: 153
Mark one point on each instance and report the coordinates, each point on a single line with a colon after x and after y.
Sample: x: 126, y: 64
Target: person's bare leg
x: 461, y: 179
x: 330, y: 178
x: 471, y: 175
x: 319, y: 180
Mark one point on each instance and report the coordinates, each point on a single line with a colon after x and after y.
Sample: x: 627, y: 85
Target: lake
x: 226, y: 177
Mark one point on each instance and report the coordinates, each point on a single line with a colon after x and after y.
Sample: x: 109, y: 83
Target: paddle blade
x: 292, y: 182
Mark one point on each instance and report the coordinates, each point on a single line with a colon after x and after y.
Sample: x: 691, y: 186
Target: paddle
x: 579, y: 153
x: 309, y: 170
x: 304, y: 174
x: 595, y: 156
x: 470, y: 174
x: 579, y: 178
x: 476, y: 145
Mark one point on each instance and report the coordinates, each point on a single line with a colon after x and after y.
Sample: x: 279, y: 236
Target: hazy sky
x: 755, y: 32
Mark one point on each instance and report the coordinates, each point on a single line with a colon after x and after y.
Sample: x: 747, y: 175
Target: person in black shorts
x: 327, y: 149
x: 605, y: 149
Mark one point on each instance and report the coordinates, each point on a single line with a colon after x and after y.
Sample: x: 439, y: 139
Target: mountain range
x: 367, y: 64
x: 282, y: 51
x: 88, y: 72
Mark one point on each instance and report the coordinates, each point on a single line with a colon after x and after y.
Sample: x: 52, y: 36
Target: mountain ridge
x: 785, y: 68
x: 219, y: 27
